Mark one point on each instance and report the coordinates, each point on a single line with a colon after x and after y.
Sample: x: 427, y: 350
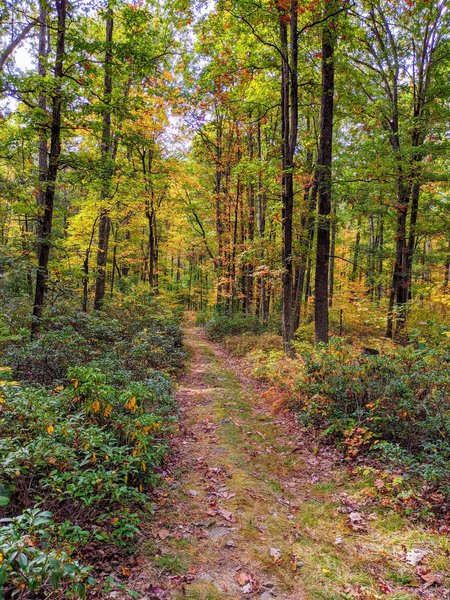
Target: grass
x: 173, y: 564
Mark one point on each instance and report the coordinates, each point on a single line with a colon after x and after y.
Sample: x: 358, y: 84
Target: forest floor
x: 253, y: 506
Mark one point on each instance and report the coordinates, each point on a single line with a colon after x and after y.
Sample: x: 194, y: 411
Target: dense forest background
x: 278, y: 168
x: 179, y: 170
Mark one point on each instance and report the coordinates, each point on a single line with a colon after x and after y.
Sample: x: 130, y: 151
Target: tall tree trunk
x: 324, y: 160
x: 42, y: 103
x: 331, y: 261
x: 52, y: 172
x: 289, y: 119
x: 104, y: 226
x: 356, y: 251
x: 261, y: 223
x: 218, y: 198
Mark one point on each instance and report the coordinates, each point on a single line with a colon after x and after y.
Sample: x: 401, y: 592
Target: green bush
x: 91, y: 451
x: 90, y: 444
x: 221, y: 326
x: 397, y: 404
x: 158, y: 346
x: 46, y: 360
x: 130, y: 350
x: 35, y: 559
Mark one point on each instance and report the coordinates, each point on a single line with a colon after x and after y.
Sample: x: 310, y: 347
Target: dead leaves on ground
x: 247, y: 583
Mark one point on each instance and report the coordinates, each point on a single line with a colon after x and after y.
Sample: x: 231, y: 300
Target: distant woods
x: 282, y: 161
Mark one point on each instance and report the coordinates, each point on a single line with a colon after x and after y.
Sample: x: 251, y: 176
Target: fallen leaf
x: 126, y: 572
x: 275, y: 554
x: 226, y: 514
x: 242, y: 578
x: 385, y: 587
x: 247, y: 583
x: 163, y: 534
x: 357, y: 521
x: 427, y: 576
x: 415, y: 556
x: 156, y: 593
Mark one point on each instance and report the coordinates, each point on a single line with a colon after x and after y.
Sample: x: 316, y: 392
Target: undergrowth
x: 218, y: 326
x: 392, y: 407
x: 85, y: 412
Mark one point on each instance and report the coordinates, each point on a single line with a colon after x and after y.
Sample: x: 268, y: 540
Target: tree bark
x: 107, y: 169
x: 42, y: 103
x: 324, y: 160
x: 289, y: 122
x: 331, y: 260
x: 52, y: 173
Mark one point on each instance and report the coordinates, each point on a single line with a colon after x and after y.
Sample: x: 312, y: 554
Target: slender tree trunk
x: 356, y: 251
x: 289, y: 121
x: 331, y: 261
x: 415, y: 196
x: 42, y: 103
x: 52, y: 172
x: 380, y: 250
x: 218, y: 198
x: 107, y: 168
x: 324, y: 178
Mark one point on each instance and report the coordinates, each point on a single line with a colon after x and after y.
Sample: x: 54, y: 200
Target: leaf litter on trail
x: 415, y: 556
x: 275, y: 555
x: 163, y: 534
x: 248, y: 584
x: 226, y: 514
x: 428, y: 577
x: 156, y: 593
x: 357, y: 521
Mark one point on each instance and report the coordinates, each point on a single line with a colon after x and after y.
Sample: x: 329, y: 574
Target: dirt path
x: 250, y: 510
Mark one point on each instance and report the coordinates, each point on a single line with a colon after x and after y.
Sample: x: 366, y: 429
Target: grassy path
x: 252, y: 510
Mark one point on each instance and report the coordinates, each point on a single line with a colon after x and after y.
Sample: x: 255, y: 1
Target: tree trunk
x: 331, y: 261
x: 42, y: 103
x: 289, y: 118
x: 52, y: 172
x: 107, y: 169
x: 324, y: 178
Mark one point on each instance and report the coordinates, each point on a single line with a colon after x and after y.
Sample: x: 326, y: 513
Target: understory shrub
x: 241, y: 345
x: 89, y: 451
x: 221, y: 326
x: 85, y: 413
x: 128, y: 347
x: 30, y: 564
x: 396, y: 404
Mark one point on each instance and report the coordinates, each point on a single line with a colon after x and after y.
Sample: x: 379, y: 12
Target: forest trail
x: 251, y: 509
x: 233, y: 497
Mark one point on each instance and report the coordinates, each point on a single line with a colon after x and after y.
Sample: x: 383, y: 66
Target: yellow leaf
x: 50, y: 429
x: 59, y: 388
x: 108, y: 410
x: 96, y: 406
x: 131, y: 404
x: 75, y: 383
x: 144, y: 466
